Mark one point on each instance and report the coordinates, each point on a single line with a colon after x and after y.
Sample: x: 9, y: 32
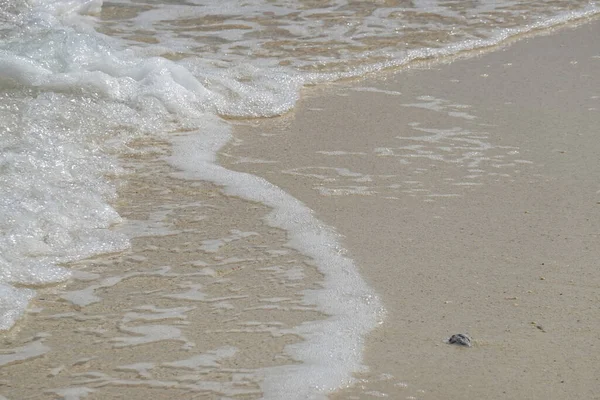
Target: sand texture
x: 469, y: 196
x: 201, y: 305
x: 467, y: 193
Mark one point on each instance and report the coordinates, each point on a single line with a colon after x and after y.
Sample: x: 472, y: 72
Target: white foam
x: 70, y: 98
x: 353, y: 40
x: 157, y: 314
x: 144, y: 334
x: 213, y: 245
x: 86, y: 296
x: 206, y: 360
x: 74, y: 393
x: 35, y: 348
x: 12, y: 303
x: 332, y: 349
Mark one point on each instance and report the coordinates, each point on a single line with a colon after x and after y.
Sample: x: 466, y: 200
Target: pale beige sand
x: 476, y: 209
x: 488, y: 225
x: 194, y: 310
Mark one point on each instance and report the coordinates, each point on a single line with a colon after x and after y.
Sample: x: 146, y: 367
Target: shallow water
x: 81, y: 81
x: 202, y: 303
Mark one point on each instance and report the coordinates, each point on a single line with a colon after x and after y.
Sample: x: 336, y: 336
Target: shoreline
x: 465, y: 193
x: 450, y: 214
x: 203, y: 304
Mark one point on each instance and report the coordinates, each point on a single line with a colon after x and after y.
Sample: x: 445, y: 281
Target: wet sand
x: 468, y: 195
x: 204, y: 301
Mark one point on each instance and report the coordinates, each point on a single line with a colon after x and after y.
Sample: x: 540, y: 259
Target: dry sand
x: 474, y: 209
x: 469, y: 196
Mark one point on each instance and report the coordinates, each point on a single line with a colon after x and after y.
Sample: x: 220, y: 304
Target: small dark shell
x: 461, y: 339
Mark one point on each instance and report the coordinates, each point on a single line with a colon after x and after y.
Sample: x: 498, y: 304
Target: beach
x: 455, y: 195
x: 468, y: 195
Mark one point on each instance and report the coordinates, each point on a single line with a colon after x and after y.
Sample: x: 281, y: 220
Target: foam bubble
x: 12, y: 302
x: 71, y: 98
x: 332, y: 349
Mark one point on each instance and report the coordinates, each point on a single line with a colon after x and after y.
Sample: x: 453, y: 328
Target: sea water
x: 79, y: 80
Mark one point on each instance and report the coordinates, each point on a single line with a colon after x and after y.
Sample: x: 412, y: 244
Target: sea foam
x: 76, y: 87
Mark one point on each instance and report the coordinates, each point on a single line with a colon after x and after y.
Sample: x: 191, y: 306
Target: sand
x: 468, y: 195
x: 474, y: 209
x: 205, y: 299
